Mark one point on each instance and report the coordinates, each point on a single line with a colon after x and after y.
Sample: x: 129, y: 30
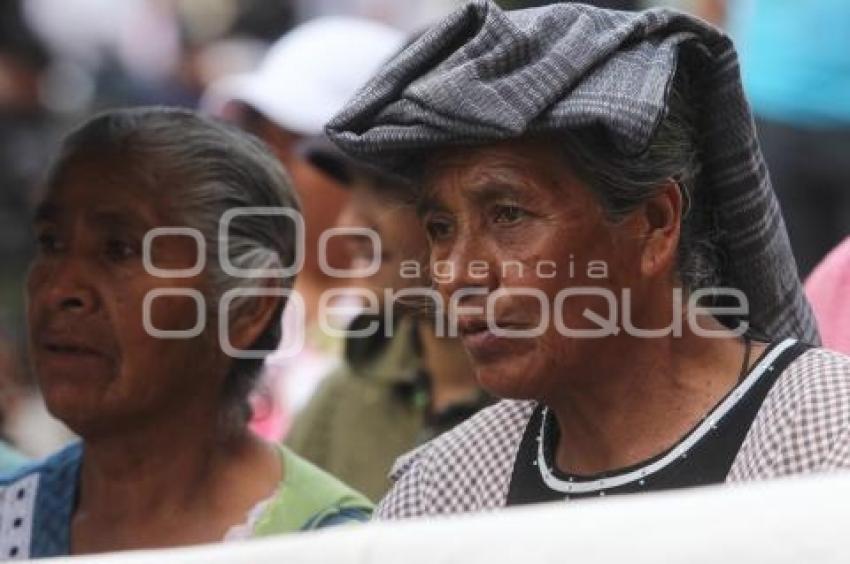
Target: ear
x: 254, y: 317
x: 661, y: 218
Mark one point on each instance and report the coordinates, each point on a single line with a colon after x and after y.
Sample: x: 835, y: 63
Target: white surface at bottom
x: 793, y: 521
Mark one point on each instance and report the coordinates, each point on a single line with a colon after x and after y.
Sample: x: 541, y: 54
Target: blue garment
x: 795, y: 59
x: 39, y: 500
x: 51, y: 486
x: 10, y: 459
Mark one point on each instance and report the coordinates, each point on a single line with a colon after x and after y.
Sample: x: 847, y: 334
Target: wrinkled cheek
x: 175, y: 313
x: 37, y: 278
x: 149, y: 357
x: 36, y: 283
x: 176, y: 329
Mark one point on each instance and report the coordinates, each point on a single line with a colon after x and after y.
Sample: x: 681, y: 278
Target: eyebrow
x: 46, y: 212
x: 115, y: 219
x: 493, y: 192
x: 481, y: 196
x: 49, y: 212
x: 427, y: 205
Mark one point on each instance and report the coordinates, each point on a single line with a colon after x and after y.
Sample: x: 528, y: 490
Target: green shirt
x: 372, y: 410
x: 309, y: 498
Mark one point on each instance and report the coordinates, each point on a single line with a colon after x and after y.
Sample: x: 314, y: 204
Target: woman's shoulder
x: 60, y: 461
x: 491, y: 429
x: 814, y: 390
x: 310, y: 498
x: 465, y: 469
x: 35, y: 505
x: 804, y: 423
x: 10, y: 458
x: 818, y: 369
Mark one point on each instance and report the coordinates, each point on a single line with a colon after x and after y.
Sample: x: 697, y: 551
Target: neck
x: 155, y: 468
x: 451, y: 374
x: 643, y: 399
x: 169, y: 478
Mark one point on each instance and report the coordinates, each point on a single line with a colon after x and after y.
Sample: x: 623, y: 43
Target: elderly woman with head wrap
x: 604, y: 236
x: 164, y: 240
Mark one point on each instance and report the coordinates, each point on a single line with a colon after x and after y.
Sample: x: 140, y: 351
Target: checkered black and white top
x: 803, y: 426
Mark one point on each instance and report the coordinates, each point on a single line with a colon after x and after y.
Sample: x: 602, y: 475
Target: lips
x: 471, y: 326
x: 69, y: 348
x: 70, y: 345
x: 482, y: 343
x: 468, y: 326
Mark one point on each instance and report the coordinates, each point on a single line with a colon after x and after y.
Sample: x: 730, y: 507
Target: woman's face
x: 97, y: 365
x: 396, y: 225
x: 510, y: 221
x: 322, y: 198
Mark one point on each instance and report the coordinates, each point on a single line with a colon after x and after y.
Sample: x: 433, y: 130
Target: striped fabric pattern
x: 484, y: 74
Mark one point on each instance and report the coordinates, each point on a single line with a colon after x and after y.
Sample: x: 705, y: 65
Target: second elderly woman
x: 605, y: 238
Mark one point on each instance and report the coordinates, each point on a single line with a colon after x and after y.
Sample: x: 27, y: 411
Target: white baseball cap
x: 310, y: 73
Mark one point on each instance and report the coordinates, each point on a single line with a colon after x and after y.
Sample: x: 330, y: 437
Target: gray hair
x: 206, y: 168
x: 622, y: 182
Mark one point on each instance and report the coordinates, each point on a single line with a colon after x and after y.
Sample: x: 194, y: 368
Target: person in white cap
x: 306, y: 77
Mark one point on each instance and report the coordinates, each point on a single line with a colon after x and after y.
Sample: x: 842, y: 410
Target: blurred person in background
x: 401, y: 384
x: 828, y: 290
x: 28, y: 133
x: 138, y: 52
x: 795, y: 60
x: 304, y: 79
x: 166, y: 458
x: 409, y: 15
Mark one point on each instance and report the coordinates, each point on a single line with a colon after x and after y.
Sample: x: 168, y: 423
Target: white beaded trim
x: 680, y: 451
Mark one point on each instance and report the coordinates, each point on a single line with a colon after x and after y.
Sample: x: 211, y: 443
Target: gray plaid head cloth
x: 484, y: 74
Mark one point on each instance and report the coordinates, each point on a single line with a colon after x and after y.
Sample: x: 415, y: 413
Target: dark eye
x: 48, y: 243
x: 438, y: 228
x: 118, y: 250
x: 508, y: 214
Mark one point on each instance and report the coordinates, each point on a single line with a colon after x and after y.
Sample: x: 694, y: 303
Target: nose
x: 469, y: 264
x: 68, y: 287
x: 351, y: 217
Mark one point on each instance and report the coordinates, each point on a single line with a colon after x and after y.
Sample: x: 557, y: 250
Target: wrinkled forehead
x: 106, y: 188
x: 511, y: 167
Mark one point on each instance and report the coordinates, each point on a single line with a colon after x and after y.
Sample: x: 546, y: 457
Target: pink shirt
x: 828, y: 290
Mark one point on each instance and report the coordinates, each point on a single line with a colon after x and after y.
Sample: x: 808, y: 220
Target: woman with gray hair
x: 605, y: 239
x: 166, y: 243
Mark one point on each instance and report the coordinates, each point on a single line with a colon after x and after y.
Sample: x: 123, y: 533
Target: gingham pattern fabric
x: 466, y: 469
x: 483, y: 74
x: 803, y: 426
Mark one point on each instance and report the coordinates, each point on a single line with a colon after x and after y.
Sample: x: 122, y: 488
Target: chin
x: 78, y: 406
x: 510, y: 380
x: 76, y: 413
x: 87, y: 420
